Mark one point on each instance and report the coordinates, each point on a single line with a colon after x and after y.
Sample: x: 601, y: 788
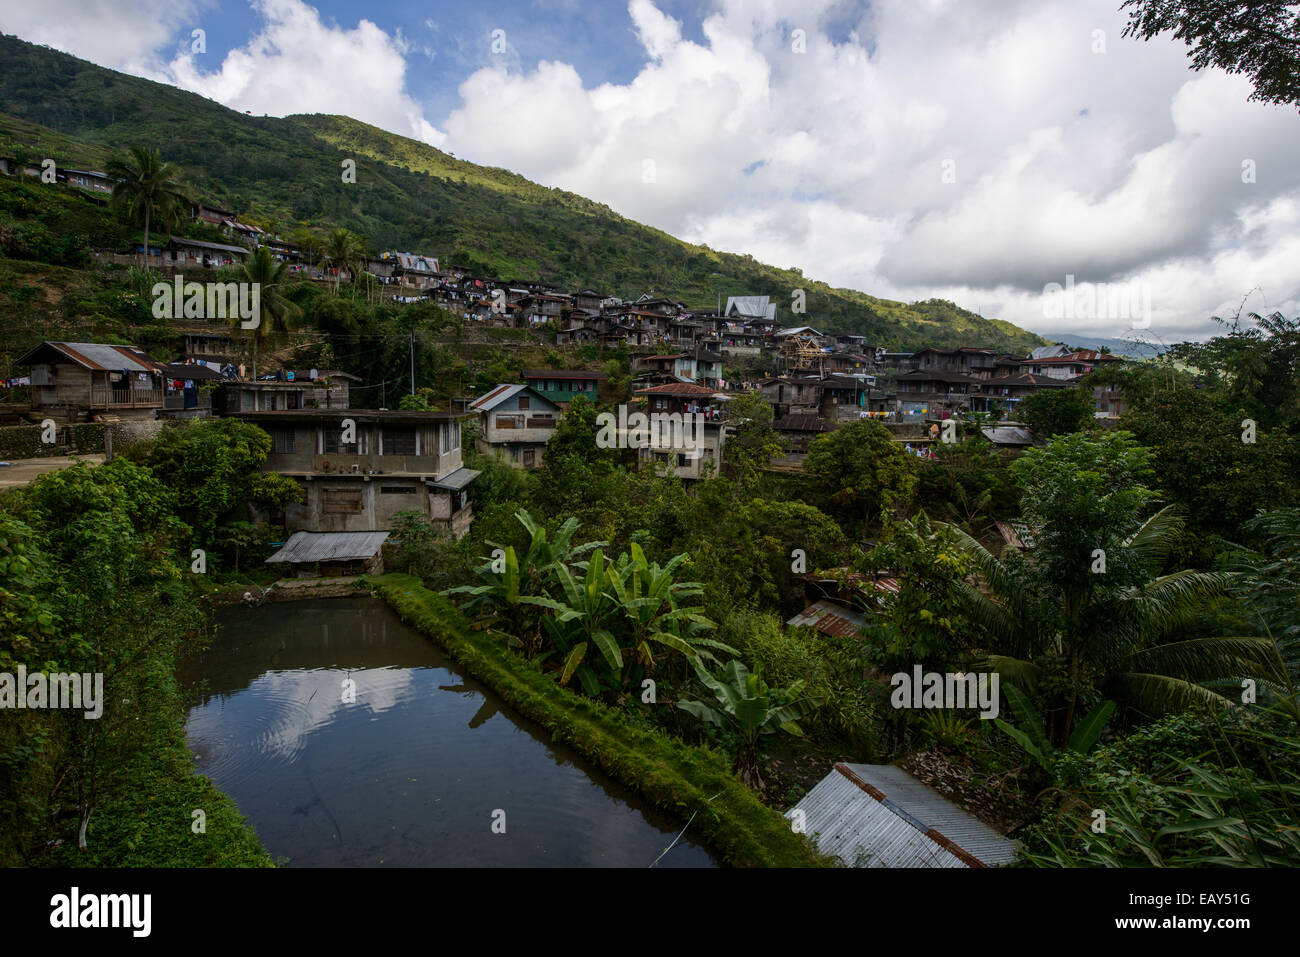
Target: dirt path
x: 21, y: 471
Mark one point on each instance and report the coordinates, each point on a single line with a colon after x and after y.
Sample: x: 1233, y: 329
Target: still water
x: 415, y: 772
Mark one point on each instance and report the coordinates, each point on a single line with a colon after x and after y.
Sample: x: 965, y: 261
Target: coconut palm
x: 1122, y: 642
x: 342, y: 249
x: 148, y: 189
x: 278, y: 314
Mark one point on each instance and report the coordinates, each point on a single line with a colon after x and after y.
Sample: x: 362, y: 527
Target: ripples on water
x: 413, y: 771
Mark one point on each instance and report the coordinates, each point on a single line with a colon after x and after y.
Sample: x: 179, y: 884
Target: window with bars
x: 332, y: 443
x: 399, y: 441
x: 282, y: 440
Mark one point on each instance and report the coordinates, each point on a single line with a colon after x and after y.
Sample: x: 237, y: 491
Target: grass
x: 683, y: 779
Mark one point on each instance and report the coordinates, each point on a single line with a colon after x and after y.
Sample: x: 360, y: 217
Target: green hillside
x: 285, y: 173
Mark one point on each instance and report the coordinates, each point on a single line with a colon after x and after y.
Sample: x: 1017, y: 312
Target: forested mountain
x: 282, y: 173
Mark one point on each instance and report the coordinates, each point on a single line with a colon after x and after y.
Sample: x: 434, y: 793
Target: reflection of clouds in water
x: 300, y: 702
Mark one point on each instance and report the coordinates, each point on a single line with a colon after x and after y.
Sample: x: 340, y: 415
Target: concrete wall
x: 357, y: 503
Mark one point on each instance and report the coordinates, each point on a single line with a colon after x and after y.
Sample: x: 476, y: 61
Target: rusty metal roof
x: 98, y: 356
x: 878, y: 815
x: 830, y: 618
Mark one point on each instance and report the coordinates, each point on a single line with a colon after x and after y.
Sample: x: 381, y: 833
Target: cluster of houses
x: 360, y: 467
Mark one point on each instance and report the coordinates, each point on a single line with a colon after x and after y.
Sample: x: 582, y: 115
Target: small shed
x: 1009, y: 436
x: 332, y: 554
x: 878, y: 815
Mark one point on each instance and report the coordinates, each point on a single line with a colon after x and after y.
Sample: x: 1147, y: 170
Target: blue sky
x: 982, y: 151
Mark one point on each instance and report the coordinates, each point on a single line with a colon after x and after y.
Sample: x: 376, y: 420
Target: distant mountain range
x: 284, y: 173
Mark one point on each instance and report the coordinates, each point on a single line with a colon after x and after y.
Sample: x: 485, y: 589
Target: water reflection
x: 411, y: 772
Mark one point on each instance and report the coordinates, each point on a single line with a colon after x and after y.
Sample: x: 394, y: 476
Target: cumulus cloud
x: 297, y: 63
x: 975, y: 151
x: 123, y: 36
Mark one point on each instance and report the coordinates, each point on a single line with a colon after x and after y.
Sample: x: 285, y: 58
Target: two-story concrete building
x: 515, y: 423
x: 687, y: 429
x: 359, y: 467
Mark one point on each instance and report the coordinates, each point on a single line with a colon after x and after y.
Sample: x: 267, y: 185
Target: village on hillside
x: 569, y: 540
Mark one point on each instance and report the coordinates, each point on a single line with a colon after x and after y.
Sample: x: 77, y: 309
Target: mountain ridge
x: 284, y: 172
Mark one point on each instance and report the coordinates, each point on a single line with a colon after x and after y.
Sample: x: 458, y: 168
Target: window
x: 399, y: 441
x: 451, y: 436
x: 508, y: 421
x: 396, y: 490
x: 530, y: 458
x: 341, y: 501
x: 523, y: 403
x: 332, y: 443
x: 282, y: 441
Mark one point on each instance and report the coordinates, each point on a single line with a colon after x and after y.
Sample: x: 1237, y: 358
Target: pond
x: 425, y: 767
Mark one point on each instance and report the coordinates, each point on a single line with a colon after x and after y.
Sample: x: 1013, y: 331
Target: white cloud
x: 299, y: 64
x: 1109, y: 166
x: 123, y: 36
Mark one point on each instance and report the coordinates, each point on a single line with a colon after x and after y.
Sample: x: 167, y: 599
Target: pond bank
x: 694, y: 783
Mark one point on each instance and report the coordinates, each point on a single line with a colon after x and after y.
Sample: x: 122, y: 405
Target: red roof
x: 684, y: 389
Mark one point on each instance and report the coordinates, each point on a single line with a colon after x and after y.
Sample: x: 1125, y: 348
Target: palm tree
x: 309, y: 243
x: 278, y: 313
x: 146, y: 188
x: 1116, y: 641
x: 342, y: 250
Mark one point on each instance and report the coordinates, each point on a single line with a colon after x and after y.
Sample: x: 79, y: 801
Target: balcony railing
x: 102, y: 397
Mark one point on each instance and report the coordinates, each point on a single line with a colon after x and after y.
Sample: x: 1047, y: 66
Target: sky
x: 1018, y: 157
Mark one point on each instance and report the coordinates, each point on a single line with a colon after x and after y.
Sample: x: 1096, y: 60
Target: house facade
x: 81, y: 379
x: 359, y: 468
x: 562, y: 385
x: 693, y: 450
x: 515, y: 423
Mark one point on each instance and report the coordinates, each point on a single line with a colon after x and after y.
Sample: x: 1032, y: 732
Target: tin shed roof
x: 99, y: 356
x: 878, y: 815
x: 329, y: 546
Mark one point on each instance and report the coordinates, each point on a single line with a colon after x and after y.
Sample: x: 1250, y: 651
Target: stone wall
x: 86, y: 438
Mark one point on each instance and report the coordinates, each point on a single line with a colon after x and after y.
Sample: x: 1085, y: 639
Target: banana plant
x: 1032, y: 733
x: 649, y: 599
x: 748, y: 708
x: 508, y: 578
x: 581, y: 621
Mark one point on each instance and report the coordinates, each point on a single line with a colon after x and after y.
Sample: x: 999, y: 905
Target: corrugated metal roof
x: 456, y: 481
x: 830, y: 619
x: 878, y: 815
x: 1008, y: 435
x: 494, y: 398
x: 329, y: 546
x: 104, y: 357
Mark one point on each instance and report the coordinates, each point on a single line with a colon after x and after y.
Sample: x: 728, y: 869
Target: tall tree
x: 1088, y: 609
x: 1260, y: 38
x: 147, y: 188
x: 342, y: 249
x: 278, y: 314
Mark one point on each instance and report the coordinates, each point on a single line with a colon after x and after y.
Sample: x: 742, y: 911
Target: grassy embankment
x: 681, y: 778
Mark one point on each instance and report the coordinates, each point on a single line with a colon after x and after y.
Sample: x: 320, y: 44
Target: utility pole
x: 412, y: 359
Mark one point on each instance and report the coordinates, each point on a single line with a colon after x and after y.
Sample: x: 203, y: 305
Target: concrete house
x: 516, y: 422
x: 694, y: 449
x: 298, y: 389
x: 82, y: 379
x: 357, y: 479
